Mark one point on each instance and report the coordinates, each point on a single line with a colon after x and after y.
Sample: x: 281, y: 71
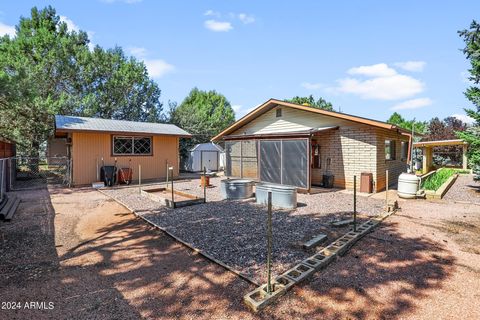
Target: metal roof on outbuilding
x: 72, y: 123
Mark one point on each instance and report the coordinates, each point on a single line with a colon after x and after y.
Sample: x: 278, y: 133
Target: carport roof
x: 84, y: 124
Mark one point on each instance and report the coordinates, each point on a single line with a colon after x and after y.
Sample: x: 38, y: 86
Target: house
x: 287, y: 143
x: 205, y: 155
x: 153, y: 146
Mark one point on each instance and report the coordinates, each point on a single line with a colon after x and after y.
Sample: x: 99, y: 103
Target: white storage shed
x: 208, y: 155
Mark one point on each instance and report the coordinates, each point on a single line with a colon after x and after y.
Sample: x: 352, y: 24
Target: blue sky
x: 369, y: 58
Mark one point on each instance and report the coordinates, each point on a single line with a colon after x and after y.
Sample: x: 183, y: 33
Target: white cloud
x: 382, y: 88
x: 218, y: 26
x: 156, y: 68
x: 246, y: 18
x: 414, y: 66
x: 72, y: 26
x: 236, y: 107
x: 382, y: 83
x: 464, y: 118
x: 7, y: 30
x: 375, y: 70
x: 212, y: 13
x: 312, y: 86
x: 138, y: 52
x: 413, y: 104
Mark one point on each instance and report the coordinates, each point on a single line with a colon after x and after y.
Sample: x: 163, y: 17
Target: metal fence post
x: 204, y: 184
x: 173, y: 194
x: 386, y: 190
x: 355, y: 203
x: 269, y: 244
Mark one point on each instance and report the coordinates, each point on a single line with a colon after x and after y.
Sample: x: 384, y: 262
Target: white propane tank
x: 408, y: 185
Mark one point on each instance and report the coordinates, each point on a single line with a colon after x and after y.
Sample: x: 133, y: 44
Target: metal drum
x: 236, y: 189
x: 284, y: 197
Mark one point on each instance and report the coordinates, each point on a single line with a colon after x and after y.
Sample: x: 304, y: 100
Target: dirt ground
x: 94, y: 260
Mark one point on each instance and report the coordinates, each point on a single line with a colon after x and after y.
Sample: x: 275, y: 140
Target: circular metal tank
x: 282, y: 196
x: 408, y: 186
x: 232, y: 189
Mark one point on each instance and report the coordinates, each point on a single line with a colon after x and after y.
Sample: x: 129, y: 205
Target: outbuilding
x: 142, y: 146
x: 291, y: 144
x: 205, y: 155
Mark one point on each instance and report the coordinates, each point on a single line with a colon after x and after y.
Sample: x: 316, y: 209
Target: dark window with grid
x: 132, y: 145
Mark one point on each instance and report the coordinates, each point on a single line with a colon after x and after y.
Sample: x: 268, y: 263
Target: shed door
x: 209, y: 160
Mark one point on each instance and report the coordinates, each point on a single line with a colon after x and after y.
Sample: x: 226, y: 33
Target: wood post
x: 464, y: 157
x: 139, y: 178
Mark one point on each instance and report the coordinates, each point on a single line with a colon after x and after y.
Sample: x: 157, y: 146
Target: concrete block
x: 315, y: 241
x: 299, y: 272
x: 258, y: 299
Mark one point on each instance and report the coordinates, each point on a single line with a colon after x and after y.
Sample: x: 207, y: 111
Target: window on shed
x: 278, y: 112
x: 131, y: 145
x: 404, y: 155
x: 389, y: 149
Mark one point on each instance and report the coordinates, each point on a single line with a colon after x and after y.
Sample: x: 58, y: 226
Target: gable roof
x: 270, y: 104
x: 84, y: 124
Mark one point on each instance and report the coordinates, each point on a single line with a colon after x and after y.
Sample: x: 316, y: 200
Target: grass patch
x: 435, y: 181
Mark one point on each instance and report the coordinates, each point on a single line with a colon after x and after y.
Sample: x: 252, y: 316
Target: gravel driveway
x: 234, y: 231
x: 464, y: 190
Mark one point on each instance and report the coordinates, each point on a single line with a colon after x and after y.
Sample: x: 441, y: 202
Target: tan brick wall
x: 352, y: 150
x: 395, y: 167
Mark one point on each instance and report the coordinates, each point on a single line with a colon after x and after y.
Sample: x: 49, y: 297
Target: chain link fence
x: 30, y: 172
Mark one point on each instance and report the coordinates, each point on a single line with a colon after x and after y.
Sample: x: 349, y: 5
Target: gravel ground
x: 93, y: 260
x: 464, y: 190
x: 234, y: 231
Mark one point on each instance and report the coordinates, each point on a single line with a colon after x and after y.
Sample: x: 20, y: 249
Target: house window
x: 389, y: 150
x: 278, y: 113
x: 404, y: 150
x: 316, y: 160
x: 125, y: 145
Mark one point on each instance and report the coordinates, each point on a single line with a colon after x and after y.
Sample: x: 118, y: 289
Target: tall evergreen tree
x: 46, y: 69
x: 471, y: 50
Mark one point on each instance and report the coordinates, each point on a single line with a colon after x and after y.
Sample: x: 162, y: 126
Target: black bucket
x: 108, y: 174
x: 328, y: 180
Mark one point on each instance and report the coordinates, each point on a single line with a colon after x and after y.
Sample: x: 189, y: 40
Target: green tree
x: 472, y: 52
x: 310, y: 101
x: 204, y: 114
x: 397, y: 119
x: 46, y: 69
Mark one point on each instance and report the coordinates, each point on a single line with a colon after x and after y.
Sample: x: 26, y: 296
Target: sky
x: 369, y: 58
